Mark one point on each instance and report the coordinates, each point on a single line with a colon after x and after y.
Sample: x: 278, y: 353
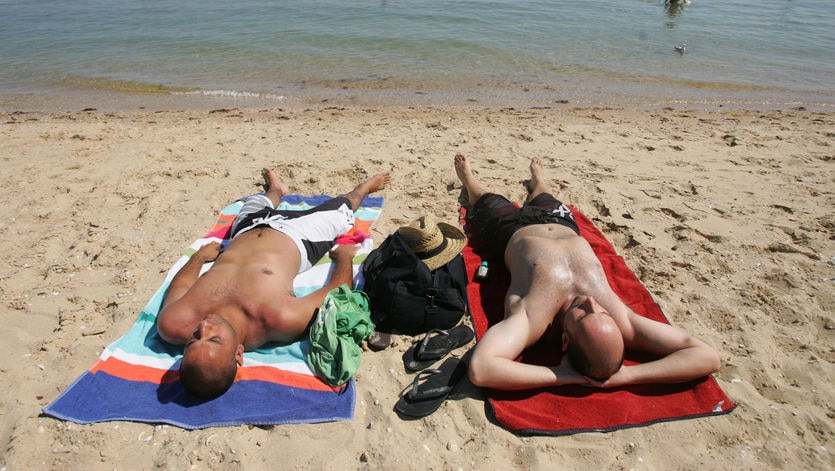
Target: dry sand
x: 726, y: 216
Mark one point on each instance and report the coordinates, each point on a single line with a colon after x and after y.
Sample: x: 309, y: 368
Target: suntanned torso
x: 248, y: 292
x: 251, y: 286
x: 557, y: 278
x: 550, y: 265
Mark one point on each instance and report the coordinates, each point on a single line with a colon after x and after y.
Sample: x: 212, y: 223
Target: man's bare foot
x: 271, y: 181
x: 465, y: 174
x: 373, y: 184
x: 462, y: 169
x: 536, y: 172
x: 274, y: 188
x: 378, y: 182
x: 537, y: 184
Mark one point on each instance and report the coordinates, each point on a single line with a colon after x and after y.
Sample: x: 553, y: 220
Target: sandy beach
x: 726, y: 216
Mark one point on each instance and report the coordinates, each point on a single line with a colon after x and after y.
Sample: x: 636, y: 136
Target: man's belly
x: 547, y: 231
x: 265, y: 245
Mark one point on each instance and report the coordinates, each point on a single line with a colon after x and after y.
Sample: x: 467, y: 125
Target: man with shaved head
x: 246, y: 298
x: 557, y: 279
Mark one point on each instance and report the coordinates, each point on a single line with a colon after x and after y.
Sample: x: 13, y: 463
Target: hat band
x: 433, y: 252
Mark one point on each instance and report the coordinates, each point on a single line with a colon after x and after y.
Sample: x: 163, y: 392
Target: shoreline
x: 725, y: 216
x: 112, y: 100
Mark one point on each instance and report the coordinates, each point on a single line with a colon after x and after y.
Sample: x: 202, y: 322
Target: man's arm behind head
x: 681, y: 356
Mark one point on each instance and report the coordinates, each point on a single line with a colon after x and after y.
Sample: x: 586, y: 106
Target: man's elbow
x: 705, y: 359
x: 714, y: 362
x: 478, y: 372
x: 707, y: 362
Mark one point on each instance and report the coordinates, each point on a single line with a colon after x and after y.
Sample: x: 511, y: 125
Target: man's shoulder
x: 175, y: 322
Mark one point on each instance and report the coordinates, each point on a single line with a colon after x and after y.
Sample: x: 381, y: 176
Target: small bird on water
x: 680, y: 49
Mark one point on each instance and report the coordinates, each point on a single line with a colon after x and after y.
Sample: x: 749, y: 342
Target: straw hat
x: 434, y: 243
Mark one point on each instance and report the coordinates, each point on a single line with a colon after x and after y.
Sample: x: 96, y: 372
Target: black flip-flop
x: 434, y: 347
x: 426, y: 397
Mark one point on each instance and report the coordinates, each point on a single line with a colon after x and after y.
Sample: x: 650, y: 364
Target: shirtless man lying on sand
x: 556, y: 278
x: 246, y: 298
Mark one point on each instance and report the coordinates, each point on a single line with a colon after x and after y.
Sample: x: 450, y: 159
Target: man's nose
x: 588, y: 305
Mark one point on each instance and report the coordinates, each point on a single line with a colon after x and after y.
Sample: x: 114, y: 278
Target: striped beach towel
x: 136, y: 377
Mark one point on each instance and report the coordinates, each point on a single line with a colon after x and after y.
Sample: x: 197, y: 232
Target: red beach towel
x: 566, y: 410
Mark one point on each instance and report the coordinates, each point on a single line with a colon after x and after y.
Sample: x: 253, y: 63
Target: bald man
x: 246, y: 298
x: 557, y: 279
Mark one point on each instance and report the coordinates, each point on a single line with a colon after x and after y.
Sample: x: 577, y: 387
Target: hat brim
x: 455, y: 242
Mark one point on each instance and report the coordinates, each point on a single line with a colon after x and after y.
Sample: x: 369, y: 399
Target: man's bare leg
x: 375, y: 183
x: 465, y: 174
x: 538, y: 184
x: 275, y: 187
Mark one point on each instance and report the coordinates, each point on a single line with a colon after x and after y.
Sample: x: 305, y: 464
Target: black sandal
x: 433, y: 348
x: 426, y: 397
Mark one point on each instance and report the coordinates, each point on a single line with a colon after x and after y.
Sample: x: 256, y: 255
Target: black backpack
x: 405, y: 297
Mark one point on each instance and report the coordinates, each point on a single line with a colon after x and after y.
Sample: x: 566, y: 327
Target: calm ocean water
x: 769, y: 52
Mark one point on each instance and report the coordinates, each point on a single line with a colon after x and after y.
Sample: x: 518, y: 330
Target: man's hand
x: 344, y: 253
x: 342, y: 274
x: 207, y: 253
x: 566, y: 374
x: 620, y: 378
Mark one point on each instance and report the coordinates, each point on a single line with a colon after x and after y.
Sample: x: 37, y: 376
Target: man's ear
x: 564, y: 341
x: 239, y: 354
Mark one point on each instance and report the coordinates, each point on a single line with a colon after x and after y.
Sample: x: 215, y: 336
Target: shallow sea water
x: 773, y: 53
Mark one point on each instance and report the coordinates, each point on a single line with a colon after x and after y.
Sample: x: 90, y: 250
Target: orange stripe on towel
x: 287, y: 378
x: 132, y: 372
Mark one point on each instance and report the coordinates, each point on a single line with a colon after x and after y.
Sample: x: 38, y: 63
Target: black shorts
x: 494, y: 219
